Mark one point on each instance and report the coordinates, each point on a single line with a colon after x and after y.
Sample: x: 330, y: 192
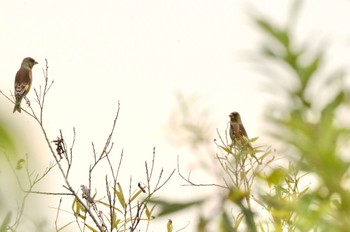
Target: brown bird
x: 238, y: 134
x: 23, y: 81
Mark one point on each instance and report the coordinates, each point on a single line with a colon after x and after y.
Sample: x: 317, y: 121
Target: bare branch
x: 49, y: 193
x: 88, y: 207
x: 190, y: 183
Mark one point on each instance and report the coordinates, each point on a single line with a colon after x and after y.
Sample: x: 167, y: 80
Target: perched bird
x: 23, y: 81
x: 238, y: 134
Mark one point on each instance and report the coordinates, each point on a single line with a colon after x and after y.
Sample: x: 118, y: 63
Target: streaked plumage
x: 23, y: 81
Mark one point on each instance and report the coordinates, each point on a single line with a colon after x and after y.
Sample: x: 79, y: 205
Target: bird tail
x: 17, y: 107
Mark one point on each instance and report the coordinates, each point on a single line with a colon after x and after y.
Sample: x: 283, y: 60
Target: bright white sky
x: 142, y: 53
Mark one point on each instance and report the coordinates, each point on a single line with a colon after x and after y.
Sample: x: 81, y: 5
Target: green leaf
x: 6, y: 141
x: 238, y: 220
x: 109, y: 206
x: 116, y: 223
x: 276, y: 177
x: 135, y: 196
x: 120, y: 196
x: 329, y: 110
x: 91, y: 228
x: 77, y: 208
x: 252, y: 140
x: 6, y: 221
x: 269, y: 52
x: 168, y: 207
x: 20, y: 164
x: 225, y: 149
x: 279, y: 35
x: 152, y: 209
x: 261, y: 226
x: 148, y: 213
x: 202, y: 223
x: 225, y: 223
x: 237, y: 195
x: 307, y: 72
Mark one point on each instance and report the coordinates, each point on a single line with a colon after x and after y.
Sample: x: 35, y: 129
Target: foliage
x: 304, y: 187
x: 311, y: 127
x: 6, y: 141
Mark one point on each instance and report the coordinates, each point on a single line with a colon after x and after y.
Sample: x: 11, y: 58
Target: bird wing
x: 23, y: 82
x: 243, y: 132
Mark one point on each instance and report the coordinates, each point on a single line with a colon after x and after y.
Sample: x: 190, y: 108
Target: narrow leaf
x: 91, y: 228
x: 135, y: 195
x: 167, y: 207
x: 148, y: 213
x: 120, y: 196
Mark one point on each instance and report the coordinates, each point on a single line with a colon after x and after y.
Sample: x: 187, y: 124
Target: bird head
x: 235, y: 117
x: 29, y: 62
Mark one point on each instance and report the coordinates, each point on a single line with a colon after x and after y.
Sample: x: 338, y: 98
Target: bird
x: 23, y: 81
x: 238, y: 134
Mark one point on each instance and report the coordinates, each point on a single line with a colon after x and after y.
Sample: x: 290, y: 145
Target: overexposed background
x: 142, y: 53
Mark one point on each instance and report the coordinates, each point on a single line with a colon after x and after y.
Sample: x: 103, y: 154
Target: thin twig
x: 190, y: 183
x: 49, y: 193
x: 58, y: 211
x: 12, y: 101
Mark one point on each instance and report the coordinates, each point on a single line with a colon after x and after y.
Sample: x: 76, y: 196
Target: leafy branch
x: 86, y: 206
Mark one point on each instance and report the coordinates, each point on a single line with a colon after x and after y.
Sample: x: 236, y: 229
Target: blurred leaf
x: 225, y: 223
x: 20, y: 164
x: 249, y: 217
x: 307, y: 72
x: 335, y: 77
x: 238, y: 220
x: 294, y: 10
x: 261, y: 226
x: 167, y: 207
x: 6, y: 141
x: 237, y: 195
x: 269, y: 52
x: 202, y: 224
x: 279, y: 35
x: 336, y: 203
x: 5, y: 222
x: 329, y: 110
x: 225, y: 149
x: 252, y: 140
x: 276, y: 177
